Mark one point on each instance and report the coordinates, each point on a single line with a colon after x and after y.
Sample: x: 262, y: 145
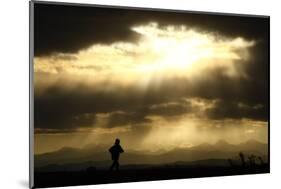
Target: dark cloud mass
x: 171, y: 109
x: 120, y: 119
x: 67, y: 29
x: 230, y: 109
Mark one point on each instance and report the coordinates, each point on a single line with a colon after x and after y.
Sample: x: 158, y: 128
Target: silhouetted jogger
x: 115, y: 151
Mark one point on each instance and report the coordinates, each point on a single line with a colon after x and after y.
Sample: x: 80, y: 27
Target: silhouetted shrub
x: 261, y: 160
x: 242, y: 158
x: 252, y: 160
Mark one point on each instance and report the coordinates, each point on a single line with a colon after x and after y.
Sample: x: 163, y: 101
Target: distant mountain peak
x: 67, y: 149
x: 252, y: 141
x: 203, y: 144
x: 221, y: 142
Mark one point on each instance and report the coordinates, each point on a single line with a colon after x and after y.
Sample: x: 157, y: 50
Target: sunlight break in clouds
x: 161, y: 52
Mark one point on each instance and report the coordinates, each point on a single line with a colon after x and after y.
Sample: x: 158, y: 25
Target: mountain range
x: 98, y: 156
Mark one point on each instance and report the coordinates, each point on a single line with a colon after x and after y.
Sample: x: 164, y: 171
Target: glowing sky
x: 174, y: 85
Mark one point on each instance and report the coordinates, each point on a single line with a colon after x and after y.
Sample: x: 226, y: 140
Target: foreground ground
x: 92, y: 176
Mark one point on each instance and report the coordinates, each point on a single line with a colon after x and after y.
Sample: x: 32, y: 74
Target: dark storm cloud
x: 60, y: 28
x: 53, y: 117
x: 55, y: 131
x: 171, y: 109
x: 234, y: 110
x: 57, y: 107
x: 120, y: 119
x: 139, y: 117
x: 68, y: 29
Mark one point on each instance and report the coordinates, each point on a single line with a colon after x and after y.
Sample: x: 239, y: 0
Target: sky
x: 156, y: 80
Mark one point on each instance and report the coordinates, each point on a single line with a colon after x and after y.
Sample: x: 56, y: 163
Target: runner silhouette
x: 115, y: 151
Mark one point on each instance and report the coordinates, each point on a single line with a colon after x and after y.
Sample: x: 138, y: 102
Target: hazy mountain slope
x: 100, y: 155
